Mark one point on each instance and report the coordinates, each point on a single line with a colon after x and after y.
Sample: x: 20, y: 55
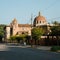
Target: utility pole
x: 31, y: 20
x: 31, y: 28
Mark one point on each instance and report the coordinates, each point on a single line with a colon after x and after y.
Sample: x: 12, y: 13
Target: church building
x: 14, y: 28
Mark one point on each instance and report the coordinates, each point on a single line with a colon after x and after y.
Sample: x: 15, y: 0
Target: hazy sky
x: 22, y: 10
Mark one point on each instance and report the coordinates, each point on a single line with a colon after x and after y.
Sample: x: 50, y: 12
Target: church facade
x: 16, y: 29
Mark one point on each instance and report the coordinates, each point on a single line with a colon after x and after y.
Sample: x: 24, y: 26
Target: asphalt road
x: 19, y: 53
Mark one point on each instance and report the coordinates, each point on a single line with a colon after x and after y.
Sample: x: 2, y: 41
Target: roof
x: 24, y: 25
x: 41, y: 18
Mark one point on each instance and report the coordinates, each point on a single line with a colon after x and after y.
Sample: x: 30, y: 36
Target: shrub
x: 55, y: 48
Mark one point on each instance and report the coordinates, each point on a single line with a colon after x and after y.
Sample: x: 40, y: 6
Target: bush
x: 55, y: 48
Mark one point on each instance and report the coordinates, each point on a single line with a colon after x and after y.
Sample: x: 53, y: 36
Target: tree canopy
x: 55, y: 30
x: 1, y: 31
x: 37, y: 33
x: 18, y: 38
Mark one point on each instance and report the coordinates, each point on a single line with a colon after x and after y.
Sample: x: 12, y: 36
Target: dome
x: 40, y: 18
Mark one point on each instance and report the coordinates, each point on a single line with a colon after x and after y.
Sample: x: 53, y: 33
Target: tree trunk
x: 57, y: 40
x: 35, y: 42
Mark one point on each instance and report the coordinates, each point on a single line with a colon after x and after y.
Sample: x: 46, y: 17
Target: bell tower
x: 14, y: 26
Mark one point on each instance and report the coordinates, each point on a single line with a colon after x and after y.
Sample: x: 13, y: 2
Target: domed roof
x: 40, y: 18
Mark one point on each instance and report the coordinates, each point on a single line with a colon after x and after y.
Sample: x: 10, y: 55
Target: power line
x: 54, y: 18
x: 47, y: 19
x: 51, y: 5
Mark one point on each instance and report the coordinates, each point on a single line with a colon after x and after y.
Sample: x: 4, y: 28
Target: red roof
x: 41, y: 18
x: 24, y: 25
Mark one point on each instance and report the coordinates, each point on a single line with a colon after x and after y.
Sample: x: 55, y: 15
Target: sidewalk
x: 29, y: 46
x: 5, y: 46
x: 44, y: 47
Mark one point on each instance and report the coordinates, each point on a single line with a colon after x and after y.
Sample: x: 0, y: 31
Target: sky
x: 23, y: 9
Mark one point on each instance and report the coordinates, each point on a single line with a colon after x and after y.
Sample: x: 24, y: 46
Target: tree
x: 1, y: 32
x: 18, y: 38
x: 56, y: 23
x: 21, y: 37
x: 55, y: 31
x: 37, y: 33
x: 13, y: 38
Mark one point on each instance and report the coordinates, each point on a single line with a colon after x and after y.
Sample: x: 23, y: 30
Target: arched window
x: 23, y: 33
x: 37, y: 22
x: 40, y: 21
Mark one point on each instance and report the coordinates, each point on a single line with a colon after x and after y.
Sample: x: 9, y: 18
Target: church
x: 14, y: 28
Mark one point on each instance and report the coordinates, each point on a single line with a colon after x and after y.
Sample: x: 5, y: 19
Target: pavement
x: 5, y: 46
x: 44, y: 48
x: 29, y: 46
x: 11, y: 52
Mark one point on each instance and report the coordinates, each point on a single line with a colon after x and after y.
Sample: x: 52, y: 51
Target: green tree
x: 55, y: 31
x: 56, y: 23
x: 37, y: 33
x: 18, y: 38
x: 12, y: 38
x: 1, y: 32
x: 23, y: 37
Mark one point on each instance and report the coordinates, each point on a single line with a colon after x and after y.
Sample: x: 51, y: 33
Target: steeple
x: 14, y: 20
x: 39, y: 13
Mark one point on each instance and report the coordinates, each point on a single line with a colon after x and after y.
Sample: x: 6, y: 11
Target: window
x: 23, y: 33
x: 40, y: 21
x: 43, y: 21
x: 37, y: 22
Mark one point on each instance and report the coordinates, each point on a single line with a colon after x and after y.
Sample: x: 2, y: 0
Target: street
x: 19, y: 53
